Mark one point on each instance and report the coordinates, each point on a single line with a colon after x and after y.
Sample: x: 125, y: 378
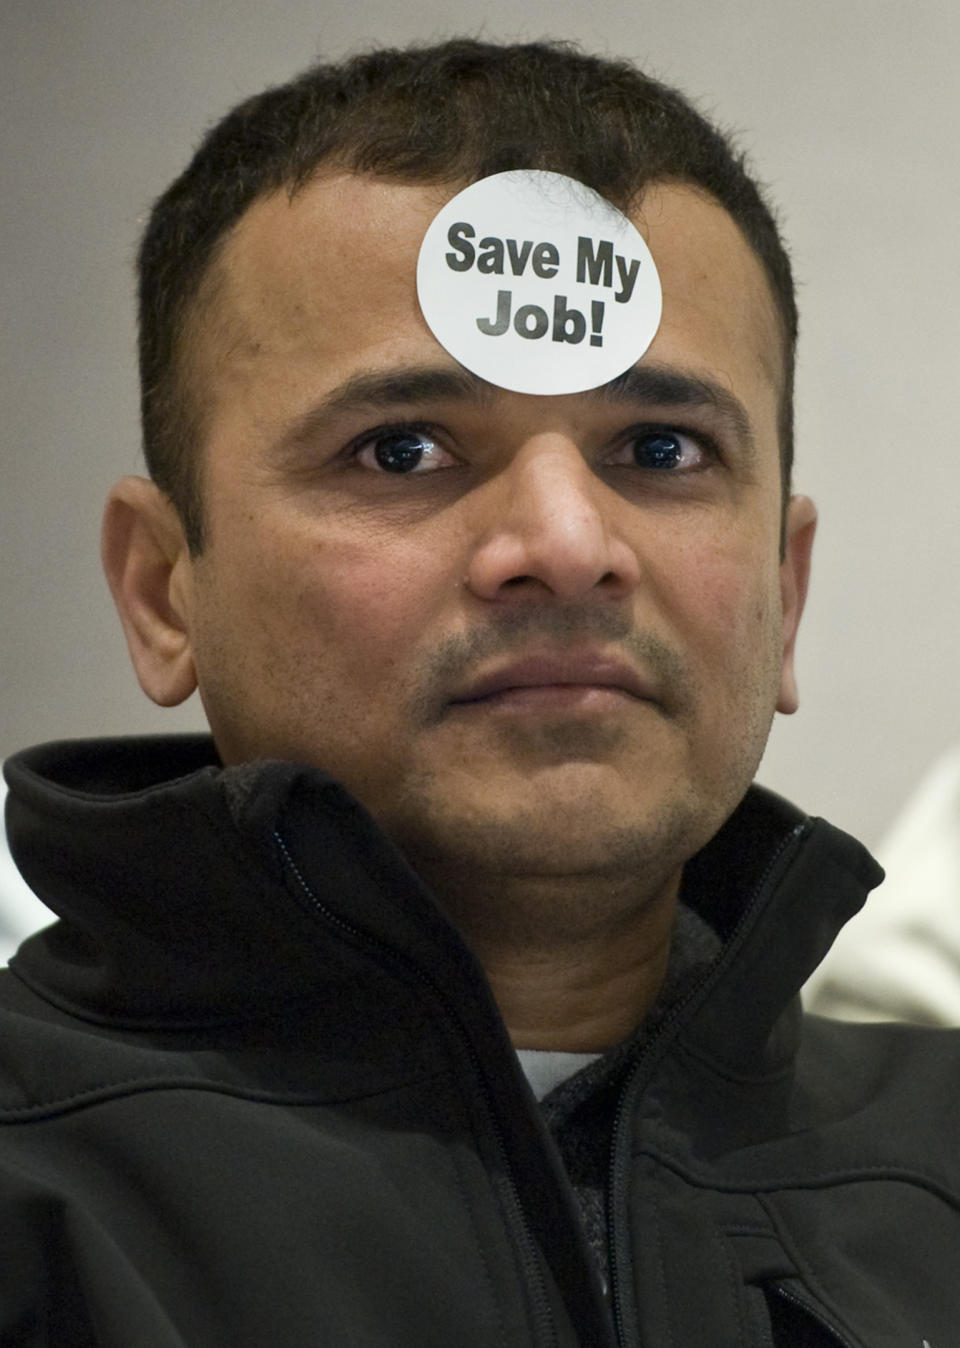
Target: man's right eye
x: 402, y: 451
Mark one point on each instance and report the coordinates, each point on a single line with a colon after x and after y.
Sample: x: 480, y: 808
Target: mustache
x: 453, y: 661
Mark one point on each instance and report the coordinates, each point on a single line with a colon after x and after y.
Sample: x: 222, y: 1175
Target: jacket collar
x: 191, y: 894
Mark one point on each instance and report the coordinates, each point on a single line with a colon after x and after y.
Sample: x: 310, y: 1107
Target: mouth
x: 558, y: 682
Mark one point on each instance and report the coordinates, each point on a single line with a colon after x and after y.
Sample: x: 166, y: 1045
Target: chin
x: 557, y: 828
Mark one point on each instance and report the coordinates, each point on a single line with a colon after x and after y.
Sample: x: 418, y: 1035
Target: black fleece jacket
x: 254, y: 1091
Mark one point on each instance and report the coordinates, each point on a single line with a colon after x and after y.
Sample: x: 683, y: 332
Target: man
x: 488, y: 675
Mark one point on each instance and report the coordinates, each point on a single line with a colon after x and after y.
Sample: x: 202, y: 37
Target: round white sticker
x: 534, y: 282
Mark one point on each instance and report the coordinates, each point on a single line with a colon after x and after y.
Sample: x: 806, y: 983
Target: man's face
x: 527, y: 632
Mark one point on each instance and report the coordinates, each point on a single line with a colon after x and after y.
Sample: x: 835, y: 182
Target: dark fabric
x: 579, y: 1112
x: 254, y: 1089
x: 791, y: 1324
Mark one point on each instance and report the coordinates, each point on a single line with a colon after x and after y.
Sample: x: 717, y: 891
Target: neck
x: 578, y: 1001
x: 574, y: 964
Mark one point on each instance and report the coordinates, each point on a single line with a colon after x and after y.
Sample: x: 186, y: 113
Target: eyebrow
x: 663, y: 386
x: 668, y: 387
x: 392, y: 388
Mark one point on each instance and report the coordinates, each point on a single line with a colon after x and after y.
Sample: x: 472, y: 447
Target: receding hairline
x: 453, y: 111
x: 206, y: 305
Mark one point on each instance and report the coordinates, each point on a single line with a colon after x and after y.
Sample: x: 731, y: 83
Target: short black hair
x: 452, y: 112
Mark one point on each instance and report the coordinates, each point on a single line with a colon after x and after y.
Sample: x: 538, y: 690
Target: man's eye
x: 663, y: 450
x: 402, y: 451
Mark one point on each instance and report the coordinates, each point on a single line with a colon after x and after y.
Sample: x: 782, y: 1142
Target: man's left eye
x: 662, y: 450
x: 402, y: 451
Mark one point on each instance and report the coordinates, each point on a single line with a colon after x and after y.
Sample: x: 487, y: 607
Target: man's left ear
x: 799, y: 528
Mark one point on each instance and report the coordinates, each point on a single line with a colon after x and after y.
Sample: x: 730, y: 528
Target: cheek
x: 366, y: 601
x: 303, y: 648
x: 347, y: 605
x: 724, y: 611
x: 725, y: 600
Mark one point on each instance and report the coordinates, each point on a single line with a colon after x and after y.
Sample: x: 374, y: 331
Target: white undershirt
x: 546, y: 1068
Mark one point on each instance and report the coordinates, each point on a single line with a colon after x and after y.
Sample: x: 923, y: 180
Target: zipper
x: 508, y: 1185
x: 815, y: 1314
x: 632, y: 1088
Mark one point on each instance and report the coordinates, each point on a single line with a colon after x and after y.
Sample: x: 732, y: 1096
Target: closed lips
x: 563, y: 671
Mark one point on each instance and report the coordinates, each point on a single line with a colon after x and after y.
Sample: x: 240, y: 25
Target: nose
x: 551, y: 525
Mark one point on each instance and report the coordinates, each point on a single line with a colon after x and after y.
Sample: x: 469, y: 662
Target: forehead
x: 313, y: 288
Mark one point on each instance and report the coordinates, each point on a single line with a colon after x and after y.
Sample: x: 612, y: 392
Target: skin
x: 346, y: 616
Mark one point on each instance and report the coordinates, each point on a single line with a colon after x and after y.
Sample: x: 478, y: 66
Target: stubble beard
x: 558, y: 853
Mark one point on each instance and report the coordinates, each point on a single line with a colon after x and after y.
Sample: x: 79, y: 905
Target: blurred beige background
x: 851, y: 113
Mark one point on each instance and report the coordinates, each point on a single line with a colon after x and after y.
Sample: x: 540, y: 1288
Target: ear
x: 149, y: 571
x: 799, y: 528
